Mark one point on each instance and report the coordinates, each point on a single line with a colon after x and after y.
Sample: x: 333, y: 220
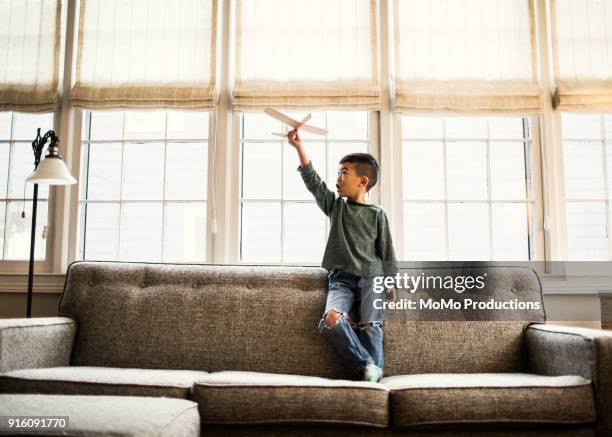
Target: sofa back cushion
x: 464, y: 338
x: 265, y: 318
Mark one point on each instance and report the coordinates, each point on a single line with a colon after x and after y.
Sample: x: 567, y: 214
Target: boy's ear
x: 365, y: 180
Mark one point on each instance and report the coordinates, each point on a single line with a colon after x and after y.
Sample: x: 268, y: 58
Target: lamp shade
x: 51, y: 171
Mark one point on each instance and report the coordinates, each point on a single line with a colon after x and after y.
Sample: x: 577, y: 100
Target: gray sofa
x: 243, y: 342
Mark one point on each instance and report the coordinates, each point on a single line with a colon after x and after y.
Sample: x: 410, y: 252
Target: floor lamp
x: 51, y: 171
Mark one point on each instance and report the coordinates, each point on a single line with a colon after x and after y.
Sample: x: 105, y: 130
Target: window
x: 279, y: 219
x: 143, y: 186
x: 17, y: 131
x: 587, y: 150
x: 467, y: 188
x: 458, y: 201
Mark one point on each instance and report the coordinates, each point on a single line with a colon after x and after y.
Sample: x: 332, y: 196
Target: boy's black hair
x: 366, y: 165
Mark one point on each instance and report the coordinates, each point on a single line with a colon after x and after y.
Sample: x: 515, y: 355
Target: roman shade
x: 582, y: 51
x: 30, y: 33
x: 474, y: 56
x: 306, y: 54
x: 146, y: 54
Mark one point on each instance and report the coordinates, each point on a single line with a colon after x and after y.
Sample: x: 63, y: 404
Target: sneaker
x: 372, y: 373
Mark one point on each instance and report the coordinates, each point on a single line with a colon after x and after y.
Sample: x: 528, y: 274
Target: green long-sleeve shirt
x: 359, y: 239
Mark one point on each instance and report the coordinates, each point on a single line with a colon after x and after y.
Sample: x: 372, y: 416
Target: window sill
x: 43, y: 283
x: 594, y: 285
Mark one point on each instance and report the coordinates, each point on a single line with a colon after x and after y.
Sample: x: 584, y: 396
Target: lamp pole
x: 37, y: 146
x: 32, y: 242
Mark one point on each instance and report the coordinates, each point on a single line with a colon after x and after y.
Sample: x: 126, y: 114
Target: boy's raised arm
x: 324, y: 196
x: 295, y: 141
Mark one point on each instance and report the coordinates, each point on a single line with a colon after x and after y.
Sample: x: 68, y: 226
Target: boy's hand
x: 294, y: 138
x: 295, y: 141
x: 392, y: 294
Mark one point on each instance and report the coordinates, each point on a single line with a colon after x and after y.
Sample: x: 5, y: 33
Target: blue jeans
x: 358, y: 343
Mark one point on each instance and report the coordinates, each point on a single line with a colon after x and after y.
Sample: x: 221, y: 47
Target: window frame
x: 86, y: 119
x: 603, y: 143
x: 534, y: 241
x: 223, y: 242
x: 373, y: 149
x: 42, y: 265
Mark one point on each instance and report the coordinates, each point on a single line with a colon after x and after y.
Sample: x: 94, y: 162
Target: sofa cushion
x: 107, y: 415
x: 202, y: 317
x: 489, y: 398
x: 465, y: 340
x: 81, y: 380
x: 453, y: 346
x: 252, y: 397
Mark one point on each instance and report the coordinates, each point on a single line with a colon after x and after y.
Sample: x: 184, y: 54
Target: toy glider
x: 288, y: 121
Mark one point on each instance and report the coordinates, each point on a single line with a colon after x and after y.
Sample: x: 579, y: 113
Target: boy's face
x: 349, y: 183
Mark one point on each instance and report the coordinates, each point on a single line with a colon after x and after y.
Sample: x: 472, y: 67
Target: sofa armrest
x: 36, y: 342
x: 565, y: 350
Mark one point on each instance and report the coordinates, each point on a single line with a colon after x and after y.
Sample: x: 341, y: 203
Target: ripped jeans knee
x: 343, y: 316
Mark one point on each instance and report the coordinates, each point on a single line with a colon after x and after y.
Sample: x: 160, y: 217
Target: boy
x: 359, y: 247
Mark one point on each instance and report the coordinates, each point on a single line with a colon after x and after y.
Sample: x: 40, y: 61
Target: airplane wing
x: 282, y: 117
x: 301, y: 123
x: 294, y: 123
x: 313, y: 129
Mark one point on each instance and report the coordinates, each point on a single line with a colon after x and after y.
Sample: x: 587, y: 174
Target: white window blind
x: 306, y: 54
x: 582, y: 50
x: 474, y: 56
x: 29, y: 54
x: 146, y: 53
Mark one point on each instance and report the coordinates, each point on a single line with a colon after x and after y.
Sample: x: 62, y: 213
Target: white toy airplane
x: 286, y: 120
